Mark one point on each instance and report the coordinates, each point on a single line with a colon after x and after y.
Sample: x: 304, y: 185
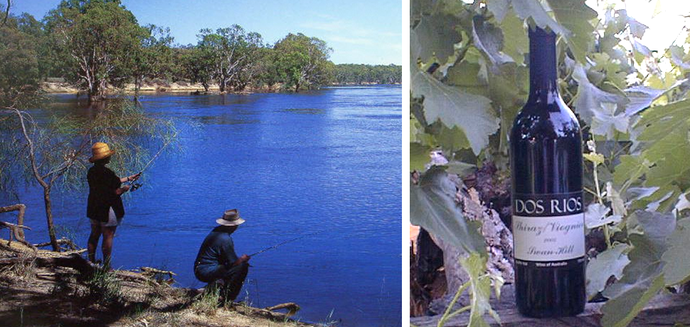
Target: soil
x: 35, y: 294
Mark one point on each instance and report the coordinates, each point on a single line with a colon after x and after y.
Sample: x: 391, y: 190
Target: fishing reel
x: 135, y: 186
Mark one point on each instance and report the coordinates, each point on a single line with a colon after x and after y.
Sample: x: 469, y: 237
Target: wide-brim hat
x: 230, y: 218
x: 99, y: 151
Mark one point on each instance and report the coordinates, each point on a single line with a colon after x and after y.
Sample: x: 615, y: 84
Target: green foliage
x: 432, y: 205
x: 367, y: 74
x: 97, y: 39
x: 469, y: 77
x: 229, y: 51
x: 19, y: 65
x: 303, y: 61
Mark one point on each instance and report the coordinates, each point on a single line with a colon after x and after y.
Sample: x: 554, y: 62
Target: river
x: 326, y: 161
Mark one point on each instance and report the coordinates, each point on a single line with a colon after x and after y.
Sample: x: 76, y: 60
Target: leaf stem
x: 446, y: 314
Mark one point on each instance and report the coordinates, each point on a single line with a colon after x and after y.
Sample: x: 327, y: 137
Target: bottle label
x: 548, y: 228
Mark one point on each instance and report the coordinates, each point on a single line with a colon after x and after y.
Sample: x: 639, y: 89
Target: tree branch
x: 7, y: 13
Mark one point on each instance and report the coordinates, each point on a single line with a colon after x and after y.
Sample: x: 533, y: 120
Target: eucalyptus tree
x: 197, y: 65
x: 97, y: 39
x: 232, y: 49
x: 302, y: 61
x: 153, y: 57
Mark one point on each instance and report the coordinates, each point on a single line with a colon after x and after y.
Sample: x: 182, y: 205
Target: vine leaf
x: 419, y: 156
x: 608, y: 263
x: 499, y: 8
x: 606, y: 122
x: 515, y: 40
x: 480, y: 288
x: 664, y: 139
x: 433, y: 207
x: 489, y: 39
x: 677, y: 258
x: 596, y: 216
x: 642, y: 277
x: 434, y: 35
x: 641, y: 97
x: 454, y: 107
x: 589, y: 98
x: 533, y: 9
x: 575, y: 16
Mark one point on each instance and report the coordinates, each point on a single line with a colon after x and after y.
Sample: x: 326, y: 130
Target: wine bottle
x: 547, y: 203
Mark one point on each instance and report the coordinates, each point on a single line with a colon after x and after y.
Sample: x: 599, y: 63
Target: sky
x: 361, y: 32
x: 665, y: 20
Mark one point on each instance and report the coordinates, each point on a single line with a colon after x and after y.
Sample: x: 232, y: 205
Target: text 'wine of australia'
x: 547, y: 203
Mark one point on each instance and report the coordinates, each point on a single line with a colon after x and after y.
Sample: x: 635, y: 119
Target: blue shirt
x: 217, y: 249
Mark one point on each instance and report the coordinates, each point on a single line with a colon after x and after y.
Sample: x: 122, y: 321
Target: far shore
x: 53, y: 87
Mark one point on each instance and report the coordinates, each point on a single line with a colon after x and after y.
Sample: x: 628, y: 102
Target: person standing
x: 217, y: 261
x: 104, y: 207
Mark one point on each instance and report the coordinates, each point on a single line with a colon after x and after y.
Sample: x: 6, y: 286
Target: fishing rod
x: 135, y: 186
x: 283, y: 243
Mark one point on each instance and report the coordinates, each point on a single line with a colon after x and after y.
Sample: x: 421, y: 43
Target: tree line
x: 95, y: 44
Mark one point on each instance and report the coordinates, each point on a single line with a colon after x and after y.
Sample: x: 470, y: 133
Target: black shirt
x: 102, y: 185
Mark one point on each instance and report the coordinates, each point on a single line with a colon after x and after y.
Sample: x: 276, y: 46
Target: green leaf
x: 575, y: 16
x: 533, y: 9
x: 641, y: 97
x: 452, y: 139
x: 455, y: 107
x: 419, y: 156
x: 677, y: 257
x: 605, y: 121
x: 433, y: 207
x: 642, y: 277
x: 617, y: 204
x: 595, y: 158
x: 434, y: 35
x: 499, y: 8
x: 589, y: 98
x: 489, y: 39
x: 480, y: 288
x: 630, y: 168
x: 596, y: 216
x: 620, y: 311
x: 515, y: 40
x: 608, y: 263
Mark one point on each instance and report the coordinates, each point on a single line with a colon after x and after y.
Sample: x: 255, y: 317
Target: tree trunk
x: 49, y: 218
x: 205, y: 87
x: 221, y: 85
x: 137, y: 86
x: 20, y: 215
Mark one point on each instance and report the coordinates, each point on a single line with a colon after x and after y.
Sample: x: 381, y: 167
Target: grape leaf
x: 641, y: 97
x: 608, y: 263
x: 677, y: 258
x: 433, y: 207
x: 499, y: 8
x: 489, y: 39
x: 575, y: 16
x: 616, y: 201
x: 533, y: 9
x: 589, y: 98
x: 595, y: 216
x: 480, y: 289
x: 664, y: 139
x: 605, y: 121
x: 683, y: 203
x: 419, y: 156
x: 455, y: 107
x: 515, y: 40
x: 642, y: 277
x: 434, y: 35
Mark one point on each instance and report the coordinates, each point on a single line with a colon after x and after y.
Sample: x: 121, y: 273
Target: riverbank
x: 59, y: 87
x: 45, y: 288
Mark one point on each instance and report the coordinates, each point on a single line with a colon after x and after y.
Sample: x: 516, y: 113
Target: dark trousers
x: 232, y: 278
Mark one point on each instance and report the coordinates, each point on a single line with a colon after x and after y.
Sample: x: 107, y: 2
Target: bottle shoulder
x: 545, y: 121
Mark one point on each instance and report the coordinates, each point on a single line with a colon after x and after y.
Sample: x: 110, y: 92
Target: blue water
x: 326, y: 161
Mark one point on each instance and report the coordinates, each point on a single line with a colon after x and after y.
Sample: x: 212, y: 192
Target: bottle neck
x: 543, y: 67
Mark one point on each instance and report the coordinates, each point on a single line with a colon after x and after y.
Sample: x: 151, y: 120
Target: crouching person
x: 217, y: 262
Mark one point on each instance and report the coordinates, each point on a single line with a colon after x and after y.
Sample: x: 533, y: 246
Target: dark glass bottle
x: 548, y: 218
